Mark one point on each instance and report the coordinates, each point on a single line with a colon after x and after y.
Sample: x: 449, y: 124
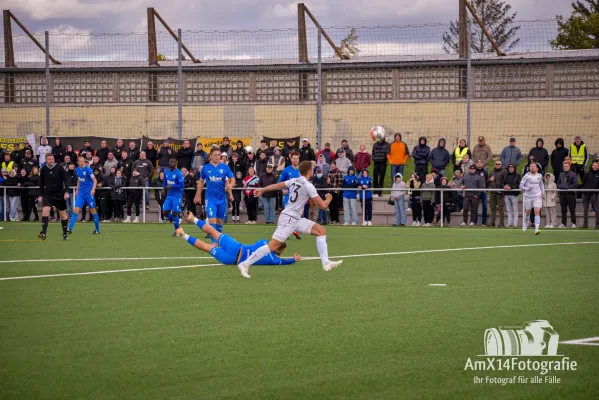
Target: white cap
x: 249, y: 149
x: 305, y: 140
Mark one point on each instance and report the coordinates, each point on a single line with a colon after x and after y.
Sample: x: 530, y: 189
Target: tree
x: 581, y: 30
x: 348, y: 46
x: 496, y: 16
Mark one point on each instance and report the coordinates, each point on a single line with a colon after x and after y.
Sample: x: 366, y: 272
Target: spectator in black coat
x: 33, y: 193
x: 379, y: 157
x: 59, y: 151
x: 164, y: 155
x: 241, y: 153
x: 541, y: 155
x: 158, y: 192
x: 120, y: 146
x: 558, y: 155
x: 236, y: 165
x: 189, y: 183
x: 261, y: 164
x: 126, y: 165
x: 226, y: 147
x: 28, y: 162
x: 184, y: 156
x: 71, y: 153
x: 289, y: 147
x: 133, y: 151
x: 307, y: 152
x: 103, y: 151
x: 151, y: 153
x: 87, y: 148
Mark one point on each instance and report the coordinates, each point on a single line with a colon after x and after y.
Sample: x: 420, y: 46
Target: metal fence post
x: 363, y: 207
x: 319, y: 94
x: 441, y: 211
x: 4, y: 202
x: 143, y: 205
x: 180, y: 90
x: 47, y: 36
x: 468, y: 85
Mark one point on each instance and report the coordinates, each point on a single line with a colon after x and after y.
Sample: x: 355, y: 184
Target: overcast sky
x: 111, y: 16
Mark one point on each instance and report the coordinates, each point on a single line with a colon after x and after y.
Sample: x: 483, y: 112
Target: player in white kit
x: 534, y: 192
x: 300, y: 192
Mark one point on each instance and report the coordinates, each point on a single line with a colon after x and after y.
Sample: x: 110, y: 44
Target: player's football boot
x: 331, y: 265
x: 41, y: 235
x: 297, y: 235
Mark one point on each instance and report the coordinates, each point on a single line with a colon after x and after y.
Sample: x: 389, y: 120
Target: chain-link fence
x: 251, y: 84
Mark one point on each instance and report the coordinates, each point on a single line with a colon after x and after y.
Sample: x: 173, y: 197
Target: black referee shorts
x: 54, y: 200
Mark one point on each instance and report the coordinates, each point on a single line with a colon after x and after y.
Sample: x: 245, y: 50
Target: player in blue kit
x: 86, y: 189
x: 219, y: 180
x: 290, y: 172
x: 173, y: 186
x: 229, y: 251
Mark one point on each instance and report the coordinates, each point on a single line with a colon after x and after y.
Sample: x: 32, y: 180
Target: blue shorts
x: 216, y: 209
x: 172, y: 203
x: 85, y: 199
x: 227, y: 250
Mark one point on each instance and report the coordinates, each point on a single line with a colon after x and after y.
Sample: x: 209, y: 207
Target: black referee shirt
x: 53, y: 181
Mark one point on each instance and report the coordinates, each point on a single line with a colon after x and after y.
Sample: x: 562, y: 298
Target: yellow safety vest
x: 8, y: 166
x: 577, y: 155
x: 460, y: 155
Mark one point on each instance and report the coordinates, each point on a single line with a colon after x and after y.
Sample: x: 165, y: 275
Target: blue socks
x: 176, y: 221
x: 190, y: 239
x: 219, y: 228
x: 97, y: 221
x: 200, y: 223
x: 74, y: 217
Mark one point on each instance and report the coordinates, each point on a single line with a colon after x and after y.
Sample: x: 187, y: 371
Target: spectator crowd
x: 339, y: 171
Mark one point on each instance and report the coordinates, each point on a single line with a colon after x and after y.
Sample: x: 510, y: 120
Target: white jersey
x: 532, y: 184
x: 42, y: 151
x: 300, y: 191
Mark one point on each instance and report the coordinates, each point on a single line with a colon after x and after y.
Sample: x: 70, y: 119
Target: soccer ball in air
x: 379, y: 133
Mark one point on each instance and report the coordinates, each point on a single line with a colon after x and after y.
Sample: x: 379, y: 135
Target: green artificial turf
x: 373, y: 328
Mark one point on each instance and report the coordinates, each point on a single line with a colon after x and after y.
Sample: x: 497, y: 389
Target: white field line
x: 104, y: 259
x: 584, y: 342
x: 305, y: 258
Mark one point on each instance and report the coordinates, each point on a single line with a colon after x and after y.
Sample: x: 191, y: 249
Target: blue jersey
x: 362, y: 181
x: 215, y: 178
x: 287, y: 174
x: 174, y: 179
x: 270, y: 259
x: 86, y: 178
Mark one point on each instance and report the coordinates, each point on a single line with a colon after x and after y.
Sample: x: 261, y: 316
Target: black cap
x: 512, y: 139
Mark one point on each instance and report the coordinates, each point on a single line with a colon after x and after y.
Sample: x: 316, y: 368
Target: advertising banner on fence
x: 208, y: 142
x: 282, y: 142
x: 174, y: 144
x: 11, y: 144
x: 78, y: 141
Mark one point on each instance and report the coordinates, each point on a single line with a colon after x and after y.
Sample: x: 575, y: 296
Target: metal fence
x: 250, y: 83
x: 361, y: 195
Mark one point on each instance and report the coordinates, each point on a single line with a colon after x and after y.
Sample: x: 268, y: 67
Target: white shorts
x: 532, y: 202
x: 287, y: 225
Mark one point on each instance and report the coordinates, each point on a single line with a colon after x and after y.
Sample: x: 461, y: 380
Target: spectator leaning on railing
x: 512, y: 181
x: 567, y: 180
x: 398, y: 195
x: 472, y: 180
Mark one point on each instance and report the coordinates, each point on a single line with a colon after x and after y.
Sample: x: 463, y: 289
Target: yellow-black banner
x: 12, y: 144
x: 208, y: 142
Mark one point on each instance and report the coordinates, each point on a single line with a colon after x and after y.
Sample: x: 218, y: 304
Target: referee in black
x: 54, y: 186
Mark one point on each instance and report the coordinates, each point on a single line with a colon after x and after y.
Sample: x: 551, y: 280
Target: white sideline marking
x: 584, y: 342
x: 304, y: 258
x: 106, y: 259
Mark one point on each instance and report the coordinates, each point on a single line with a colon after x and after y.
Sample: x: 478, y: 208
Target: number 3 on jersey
x: 293, y: 192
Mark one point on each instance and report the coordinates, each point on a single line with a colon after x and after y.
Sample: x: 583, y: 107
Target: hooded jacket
x: 380, y: 151
x: 399, y: 189
x: 108, y: 164
x: 59, y: 153
x: 164, y: 154
x: 398, y: 152
x: 102, y: 154
x: 549, y: 200
x: 365, y: 181
x: 133, y: 153
x: 42, y: 150
x: 350, y: 182
x: 328, y: 155
x: 343, y: 163
x: 439, y: 156
x: 474, y: 181
x: 321, y: 185
x: 540, y: 154
x: 512, y: 179
x: 421, y: 152
x: 427, y: 195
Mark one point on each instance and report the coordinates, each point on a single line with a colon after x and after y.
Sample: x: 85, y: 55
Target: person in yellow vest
x: 7, y: 163
x: 579, y: 155
x: 459, y: 153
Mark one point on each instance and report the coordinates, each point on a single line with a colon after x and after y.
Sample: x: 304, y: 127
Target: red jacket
x: 362, y: 160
